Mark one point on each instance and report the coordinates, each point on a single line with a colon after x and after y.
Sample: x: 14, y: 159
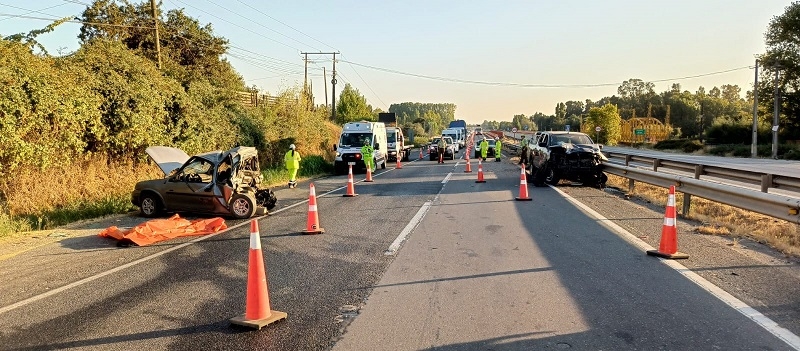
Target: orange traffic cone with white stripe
x: 420, y: 153
x: 398, y: 165
x: 669, y: 232
x: 258, y: 312
x: 480, y: 173
x: 469, y: 167
x: 369, y: 174
x: 351, y: 191
x: 523, y: 186
x: 312, y: 225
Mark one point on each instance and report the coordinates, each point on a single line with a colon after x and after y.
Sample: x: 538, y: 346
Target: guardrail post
x: 628, y: 160
x: 630, y: 186
x: 687, y: 198
x: 656, y: 163
x: 766, y: 182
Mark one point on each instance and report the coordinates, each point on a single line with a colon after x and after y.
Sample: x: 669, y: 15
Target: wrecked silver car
x: 224, y: 183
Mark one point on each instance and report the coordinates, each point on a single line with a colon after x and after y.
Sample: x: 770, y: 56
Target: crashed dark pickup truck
x: 572, y: 156
x: 227, y: 183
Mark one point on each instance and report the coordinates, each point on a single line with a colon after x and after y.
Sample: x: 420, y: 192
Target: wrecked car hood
x: 167, y: 158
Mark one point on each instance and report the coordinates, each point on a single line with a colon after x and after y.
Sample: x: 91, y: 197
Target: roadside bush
x: 421, y: 141
x: 690, y: 146
x: 670, y: 144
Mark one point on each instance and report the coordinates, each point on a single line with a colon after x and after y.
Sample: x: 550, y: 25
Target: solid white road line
x: 395, y: 246
x: 765, y: 322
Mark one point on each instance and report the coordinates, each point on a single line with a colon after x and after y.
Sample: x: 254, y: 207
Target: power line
x: 293, y: 28
x: 32, y: 11
x: 270, y: 29
x: 522, y: 85
x: 234, y: 24
x: 365, y: 82
x: 75, y: 21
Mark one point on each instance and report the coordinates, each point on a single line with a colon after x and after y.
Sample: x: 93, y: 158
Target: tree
x: 352, y: 106
x: 783, y: 55
x: 607, y: 118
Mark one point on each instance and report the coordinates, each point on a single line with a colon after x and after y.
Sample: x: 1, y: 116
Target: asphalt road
x: 478, y: 271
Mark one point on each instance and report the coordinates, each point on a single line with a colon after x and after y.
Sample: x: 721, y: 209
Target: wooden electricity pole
x: 333, y: 80
x: 155, y: 22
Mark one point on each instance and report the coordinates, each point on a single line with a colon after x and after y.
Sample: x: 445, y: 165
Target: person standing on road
x: 441, y: 147
x: 523, y: 143
x: 292, y: 161
x: 484, y: 149
x: 498, y: 146
x: 366, y: 154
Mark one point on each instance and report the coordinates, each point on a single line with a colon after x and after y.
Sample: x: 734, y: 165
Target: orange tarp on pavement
x: 157, y: 230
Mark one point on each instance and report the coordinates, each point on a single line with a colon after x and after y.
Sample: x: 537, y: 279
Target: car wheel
x: 242, y: 206
x: 550, y: 176
x: 150, y: 206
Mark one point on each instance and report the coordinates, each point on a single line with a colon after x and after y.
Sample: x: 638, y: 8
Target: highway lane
x: 184, y: 298
x: 490, y: 273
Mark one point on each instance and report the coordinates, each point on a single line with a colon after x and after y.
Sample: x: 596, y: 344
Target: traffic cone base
x: 676, y: 256
x: 259, y: 323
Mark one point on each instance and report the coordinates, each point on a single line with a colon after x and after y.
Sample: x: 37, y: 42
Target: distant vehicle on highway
x: 450, y: 151
x: 566, y: 155
x: 226, y: 183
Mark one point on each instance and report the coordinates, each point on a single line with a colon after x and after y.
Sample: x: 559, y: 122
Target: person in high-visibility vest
x: 366, y: 154
x: 484, y: 148
x: 292, y: 160
x: 441, y: 148
x: 498, y: 146
x: 524, y: 145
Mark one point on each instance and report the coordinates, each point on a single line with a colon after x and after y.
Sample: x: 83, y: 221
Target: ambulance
x: 348, y: 150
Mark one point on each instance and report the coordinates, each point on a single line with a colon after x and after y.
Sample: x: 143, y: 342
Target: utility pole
x: 325, y: 79
x: 754, y: 145
x: 305, y: 73
x: 333, y: 80
x: 155, y: 21
x: 776, y: 109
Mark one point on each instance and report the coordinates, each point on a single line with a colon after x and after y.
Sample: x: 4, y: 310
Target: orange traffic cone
x: 420, y: 153
x: 523, y: 186
x: 258, y: 312
x: 351, y: 191
x: 369, y: 174
x: 312, y: 225
x: 669, y: 232
x: 469, y: 167
x: 398, y: 165
x: 480, y: 173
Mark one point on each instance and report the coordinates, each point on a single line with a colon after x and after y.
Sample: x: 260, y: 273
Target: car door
x: 191, y: 189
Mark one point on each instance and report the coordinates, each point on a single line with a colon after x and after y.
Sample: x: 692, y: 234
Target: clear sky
x: 524, y: 45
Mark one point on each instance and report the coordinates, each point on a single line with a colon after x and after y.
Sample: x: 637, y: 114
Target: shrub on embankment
x: 73, y: 129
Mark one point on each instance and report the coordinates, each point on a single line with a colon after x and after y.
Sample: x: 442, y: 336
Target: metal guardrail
x: 774, y: 205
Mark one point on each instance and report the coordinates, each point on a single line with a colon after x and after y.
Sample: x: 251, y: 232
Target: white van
x: 455, y: 134
x: 348, y: 150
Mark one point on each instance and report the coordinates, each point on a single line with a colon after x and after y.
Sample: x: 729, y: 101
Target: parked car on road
x: 566, y: 155
x: 227, y: 183
x: 449, y: 152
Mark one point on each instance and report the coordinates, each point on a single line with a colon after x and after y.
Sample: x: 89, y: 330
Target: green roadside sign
x: 639, y: 131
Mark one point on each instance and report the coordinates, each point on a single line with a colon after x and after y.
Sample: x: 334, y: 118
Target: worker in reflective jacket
x: 498, y: 146
x: 292, y: 160
x: 522, y: 155
x: 484, y: 148
x: 441, y: 148
x: 366, y: 154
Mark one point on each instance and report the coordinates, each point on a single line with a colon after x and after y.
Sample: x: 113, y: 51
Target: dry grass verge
x: 721, y: 219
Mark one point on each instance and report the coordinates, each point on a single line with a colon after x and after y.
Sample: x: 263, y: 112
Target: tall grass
x: 721, y: 219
